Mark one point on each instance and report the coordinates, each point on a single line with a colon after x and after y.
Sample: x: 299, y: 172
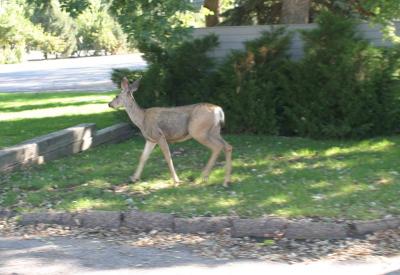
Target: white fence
x: 232, y: 37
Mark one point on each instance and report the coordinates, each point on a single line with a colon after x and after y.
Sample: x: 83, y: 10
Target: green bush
x: 176, y: 77
x: 118, y: 74
x: 249, y: 83
x: 344, y: 87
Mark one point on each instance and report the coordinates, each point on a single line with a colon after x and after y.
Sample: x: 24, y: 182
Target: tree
x: 213, y: 6
x: 295, y: 11
x: 153, y: 26
x: 17, y: 33
x: 57, y: 23
x: 72, y: 7
x: 380, y: 11
x: 255, y: 12
x: 98, y: 31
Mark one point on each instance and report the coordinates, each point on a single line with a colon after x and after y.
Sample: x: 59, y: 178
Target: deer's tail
x: 220, y: 116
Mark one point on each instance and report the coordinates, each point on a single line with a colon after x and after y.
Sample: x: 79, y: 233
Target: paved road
x: 73, y: 74
x: 65, y: 255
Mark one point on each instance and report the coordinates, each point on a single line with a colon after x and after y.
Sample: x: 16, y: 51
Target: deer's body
x: 179, y: 123
x: 158, y: 125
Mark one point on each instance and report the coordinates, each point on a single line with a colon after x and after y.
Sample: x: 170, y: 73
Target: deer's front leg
x: 148, y: 148
x: 167, y: 155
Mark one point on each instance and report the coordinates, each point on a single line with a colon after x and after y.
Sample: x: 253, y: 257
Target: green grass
x: 27, y: 115
x: 290, y: 177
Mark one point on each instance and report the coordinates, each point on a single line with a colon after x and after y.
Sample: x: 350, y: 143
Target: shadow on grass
x: 272, y: 175
x: 15, y: 131
x: 51, y: 105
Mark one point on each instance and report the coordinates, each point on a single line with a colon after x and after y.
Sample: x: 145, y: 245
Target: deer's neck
x: 135, y: 113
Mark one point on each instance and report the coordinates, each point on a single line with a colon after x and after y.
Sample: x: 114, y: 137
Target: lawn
x: 290, y: 177
x: 27, y: 115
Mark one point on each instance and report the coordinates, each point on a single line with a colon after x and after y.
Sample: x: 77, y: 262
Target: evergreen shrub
x: 249, y: 83
x: 176, y: 76
x: 343, y: 87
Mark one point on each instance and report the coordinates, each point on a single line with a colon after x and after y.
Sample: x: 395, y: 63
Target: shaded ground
x: 71, y: 256
x: 55, y: 249
x: 66, y: 255
x: 73, y: 74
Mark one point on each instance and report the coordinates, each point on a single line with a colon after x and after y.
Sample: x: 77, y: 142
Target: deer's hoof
x: 133, y: 179
x: 201, y: 180
x: 176, y: 184
x: 227, y: 184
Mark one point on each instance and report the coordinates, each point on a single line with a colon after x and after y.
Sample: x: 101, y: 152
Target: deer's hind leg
x: 228, y: 161
x: 216, y: 143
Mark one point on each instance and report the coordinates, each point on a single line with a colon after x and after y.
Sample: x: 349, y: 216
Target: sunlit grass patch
x: 93, y: 204
x: 27, y: 115
x: 289, y: 177
x: 364, y: 146
x: 56, y: 112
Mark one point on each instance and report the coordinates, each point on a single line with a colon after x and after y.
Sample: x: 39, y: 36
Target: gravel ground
x: 223, y: 246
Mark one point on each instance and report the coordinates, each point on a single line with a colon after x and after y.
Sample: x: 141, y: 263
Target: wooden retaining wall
x: 62, y: 143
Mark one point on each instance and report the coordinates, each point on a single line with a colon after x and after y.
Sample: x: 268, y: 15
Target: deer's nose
x: 109, y: 104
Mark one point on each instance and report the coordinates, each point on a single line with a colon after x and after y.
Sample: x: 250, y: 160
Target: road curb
x: 268, y: 227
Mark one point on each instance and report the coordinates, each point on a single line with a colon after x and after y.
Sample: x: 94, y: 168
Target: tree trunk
x: 212, y: 5
x: 295, y: 11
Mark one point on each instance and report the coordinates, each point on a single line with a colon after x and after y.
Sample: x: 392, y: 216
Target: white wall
x: 232, y: 37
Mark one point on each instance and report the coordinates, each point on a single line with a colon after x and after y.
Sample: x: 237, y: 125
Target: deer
x: 162, y: 125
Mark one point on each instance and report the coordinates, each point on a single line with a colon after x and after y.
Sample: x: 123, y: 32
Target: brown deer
x: 201, y: 122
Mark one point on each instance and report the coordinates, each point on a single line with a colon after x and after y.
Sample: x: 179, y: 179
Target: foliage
x: 59, y: 25
x: 253, y: 12
x: 258, y: 12
x: 45, y: 25
x: 119, y: 73
x: 16, y: 33
x: 180, y: 76
x: 344, y: 87
x: 250, y: 83
x: 379, y: 10
x: 12, y: 40
x: 72, y: 7
x: 98, y: 31
x: 153, y: 26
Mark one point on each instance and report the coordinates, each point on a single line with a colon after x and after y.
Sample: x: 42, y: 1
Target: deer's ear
x: 134, y: 86
x: 125, y: 84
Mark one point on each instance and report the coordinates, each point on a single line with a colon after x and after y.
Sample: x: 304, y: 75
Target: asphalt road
x: 72, y: 74
x: 66, y: 255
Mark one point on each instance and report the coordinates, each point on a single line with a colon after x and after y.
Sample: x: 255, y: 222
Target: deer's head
x: 126, y: 94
